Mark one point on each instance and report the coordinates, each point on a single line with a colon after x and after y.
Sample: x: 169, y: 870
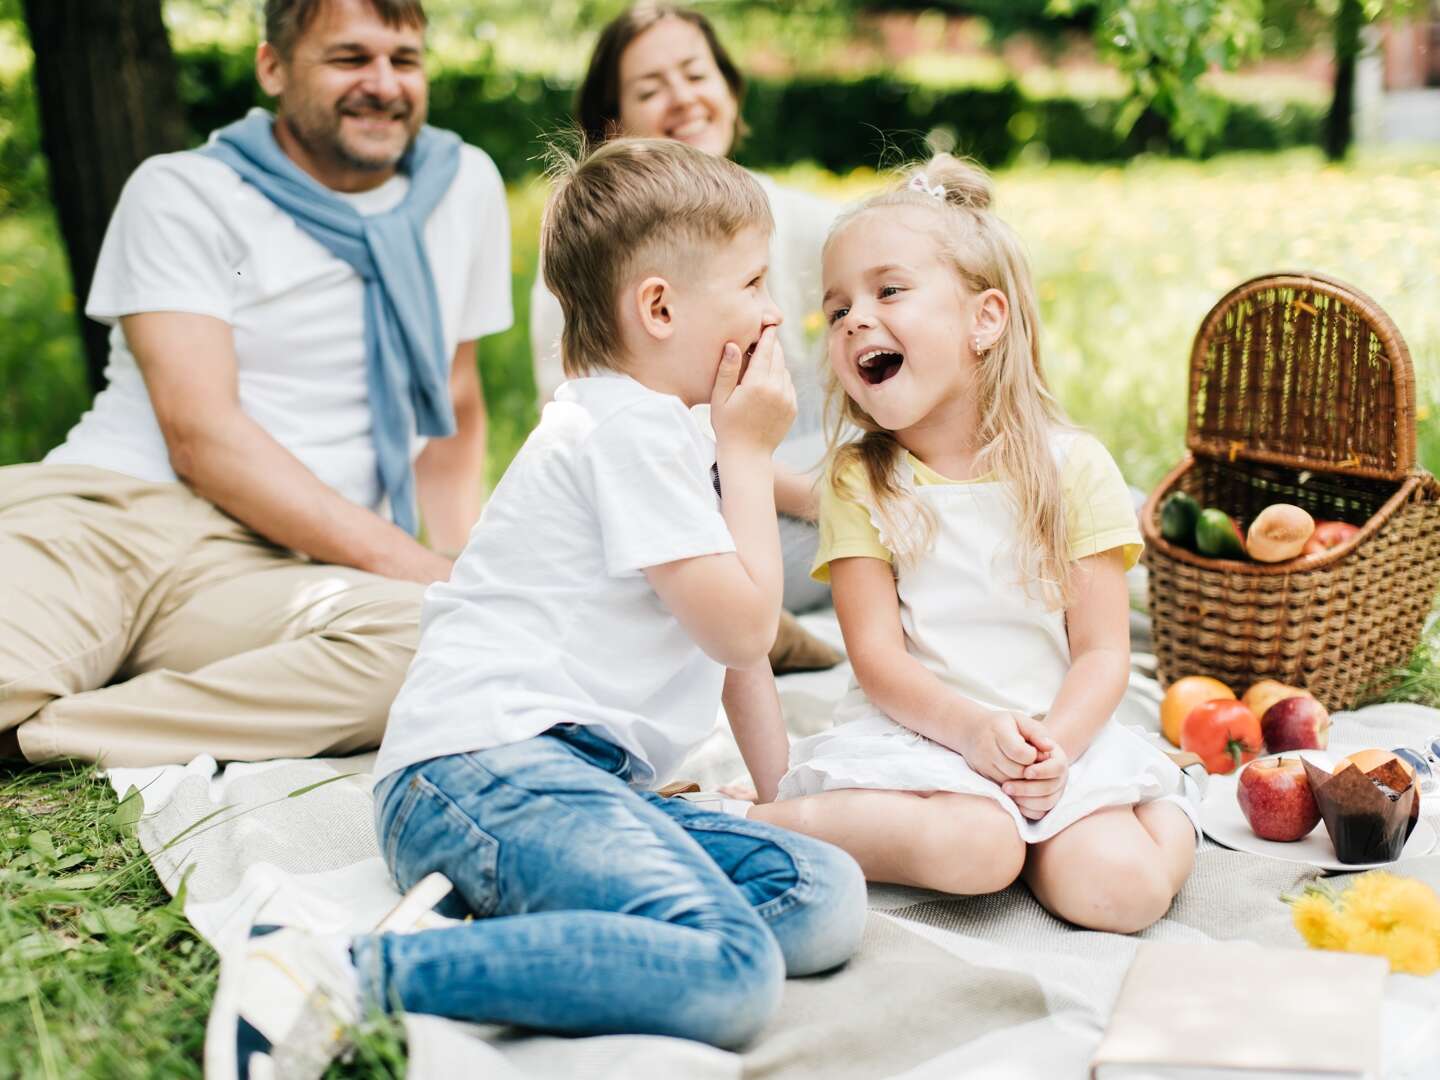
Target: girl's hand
x: 1042, y: 784
x: 753, y: 404
x: 996, y: 747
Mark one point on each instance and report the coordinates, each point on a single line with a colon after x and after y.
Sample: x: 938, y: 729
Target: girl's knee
x: 980, y: 853
x: 1119, y: 892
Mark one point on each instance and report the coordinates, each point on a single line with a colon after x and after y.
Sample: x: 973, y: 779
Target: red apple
x: 1295, y: 723
x: 1276, y: 800
x: 1327, y: 535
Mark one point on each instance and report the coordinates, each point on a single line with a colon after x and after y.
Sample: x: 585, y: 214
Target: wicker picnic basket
x: 1301, y: 391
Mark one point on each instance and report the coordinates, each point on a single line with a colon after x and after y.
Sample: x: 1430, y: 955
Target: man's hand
x: 752, y: 405
x: 416, y: 564
x: 1043, y: 783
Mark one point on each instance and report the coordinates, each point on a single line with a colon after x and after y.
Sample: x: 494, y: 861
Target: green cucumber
x: 1217, y: 535
x: 1178, y: 514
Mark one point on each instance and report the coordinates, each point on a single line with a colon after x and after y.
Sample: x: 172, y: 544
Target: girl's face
x: 901, y: 321
x: 671, y: 88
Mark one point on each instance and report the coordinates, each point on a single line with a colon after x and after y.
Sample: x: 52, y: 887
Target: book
x: 1237, y: 1010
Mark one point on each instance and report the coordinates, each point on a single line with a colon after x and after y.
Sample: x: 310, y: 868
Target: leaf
x: 114, y: 921
x: 39, y: 945
x: 81, y: 882
x: 43, y: 845
x: 131, y: 807
x: 13, y: 988
x: 75, y: 858
x: 319, y: 784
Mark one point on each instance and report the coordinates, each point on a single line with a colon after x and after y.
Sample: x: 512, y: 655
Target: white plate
x: 1225, y: 824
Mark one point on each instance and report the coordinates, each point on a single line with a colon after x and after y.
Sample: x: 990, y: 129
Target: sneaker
x: 287, y: 1002
x: 715, y: 802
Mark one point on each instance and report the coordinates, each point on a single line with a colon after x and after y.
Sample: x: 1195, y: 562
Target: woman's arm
x: 906, y: 690
x: 1098, y: 623
x: 795, y: 494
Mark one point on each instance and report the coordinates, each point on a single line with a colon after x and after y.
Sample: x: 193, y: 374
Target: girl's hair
x: 597, y: 104
x: 1018, y: 413
x: 625, y: 204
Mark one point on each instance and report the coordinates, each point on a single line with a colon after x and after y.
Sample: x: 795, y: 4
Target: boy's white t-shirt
x: 188, y: 235
x: 548, y: 617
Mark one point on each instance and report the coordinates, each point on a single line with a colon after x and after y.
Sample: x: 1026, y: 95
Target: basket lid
x: 1301, y: 370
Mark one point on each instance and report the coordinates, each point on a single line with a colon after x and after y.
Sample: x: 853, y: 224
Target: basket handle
x: 1304, y: 371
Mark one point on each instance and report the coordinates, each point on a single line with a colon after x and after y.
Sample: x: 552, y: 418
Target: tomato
x: 1225, y: 734
x: 1183, y: 695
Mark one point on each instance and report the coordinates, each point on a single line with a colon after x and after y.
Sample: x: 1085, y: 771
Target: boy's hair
x: 597, y: 104
x: 287, y: 20
x: 629, y: 203
x: 1018, y: 413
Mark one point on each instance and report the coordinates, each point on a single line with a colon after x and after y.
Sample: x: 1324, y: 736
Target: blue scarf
x: 407, y: 369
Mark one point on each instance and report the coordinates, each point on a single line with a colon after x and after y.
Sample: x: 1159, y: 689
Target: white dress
x: 966, y: 618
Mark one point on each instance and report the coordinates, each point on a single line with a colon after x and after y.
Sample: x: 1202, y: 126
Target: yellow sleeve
x: 845, y: 528
x: 1100, y: 513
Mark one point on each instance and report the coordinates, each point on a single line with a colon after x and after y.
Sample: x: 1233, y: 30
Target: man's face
x: 352, y: 94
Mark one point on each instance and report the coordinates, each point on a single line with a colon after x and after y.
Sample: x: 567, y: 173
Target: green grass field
x: 100, y: 976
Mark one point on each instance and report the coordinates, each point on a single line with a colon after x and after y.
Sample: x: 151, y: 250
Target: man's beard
x: 319, y: 131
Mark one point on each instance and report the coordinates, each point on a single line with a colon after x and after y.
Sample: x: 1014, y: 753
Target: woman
x: 659, y: 71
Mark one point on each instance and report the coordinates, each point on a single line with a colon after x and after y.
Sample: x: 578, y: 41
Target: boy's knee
x: 833, y: 920
x: 733, y: 1010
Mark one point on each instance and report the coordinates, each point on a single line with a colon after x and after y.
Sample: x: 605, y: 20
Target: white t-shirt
x: 189, y: 235
x: 548, y: 617
x: 802, y: 222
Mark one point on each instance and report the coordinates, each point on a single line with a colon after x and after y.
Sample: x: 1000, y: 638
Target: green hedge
x: 839, y: 123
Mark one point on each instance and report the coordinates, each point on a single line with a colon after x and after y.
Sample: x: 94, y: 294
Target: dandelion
x: 1380, y: 914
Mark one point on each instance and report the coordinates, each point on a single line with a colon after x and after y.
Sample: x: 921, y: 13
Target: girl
x: 976, y: 545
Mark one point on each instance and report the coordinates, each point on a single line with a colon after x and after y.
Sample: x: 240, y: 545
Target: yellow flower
x: 1315, y: 918
x: 1380, y: 914
x: 1413, y: 951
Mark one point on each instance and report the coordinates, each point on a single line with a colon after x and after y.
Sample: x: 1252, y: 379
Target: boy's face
x: 722, y: 295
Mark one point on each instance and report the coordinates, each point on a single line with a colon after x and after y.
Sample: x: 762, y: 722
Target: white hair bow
x: 921, y: 183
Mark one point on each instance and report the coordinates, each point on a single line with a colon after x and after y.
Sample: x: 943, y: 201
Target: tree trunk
x: 105, y: 82
x: 1340, y: 123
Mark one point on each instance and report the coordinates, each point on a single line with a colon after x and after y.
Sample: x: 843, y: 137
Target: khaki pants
x: 140, y: 625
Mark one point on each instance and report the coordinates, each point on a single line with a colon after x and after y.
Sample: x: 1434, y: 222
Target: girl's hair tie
x: 921, y: 183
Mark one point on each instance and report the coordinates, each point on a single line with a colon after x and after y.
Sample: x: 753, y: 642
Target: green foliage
x: 100, y: 973
x: 1165, y: 46
x: 42, y: 376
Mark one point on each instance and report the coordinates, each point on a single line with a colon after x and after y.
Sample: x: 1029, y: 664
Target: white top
x: 548, y: 617
x: 189, y: 235
x: 802, y: 222
x: 967, y: 618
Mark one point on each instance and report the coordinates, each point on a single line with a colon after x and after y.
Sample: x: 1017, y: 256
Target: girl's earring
x: 979, y: 350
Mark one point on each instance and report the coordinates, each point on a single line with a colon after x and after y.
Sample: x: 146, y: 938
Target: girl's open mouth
x: 879, y: 365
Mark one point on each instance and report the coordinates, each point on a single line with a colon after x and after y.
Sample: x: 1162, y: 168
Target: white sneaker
x: 714, y: 801
x: 288, y: 1000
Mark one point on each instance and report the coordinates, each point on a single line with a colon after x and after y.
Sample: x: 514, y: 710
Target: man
x: 219, y: 559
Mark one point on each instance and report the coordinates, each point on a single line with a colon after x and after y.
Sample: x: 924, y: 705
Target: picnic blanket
x: 942, y: 986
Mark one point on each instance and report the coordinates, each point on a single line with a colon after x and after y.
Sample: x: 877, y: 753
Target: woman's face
x: 671, y: 88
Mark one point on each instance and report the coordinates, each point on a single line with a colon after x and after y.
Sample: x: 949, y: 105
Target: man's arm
x: 450, y: 473
x: 227, y: 458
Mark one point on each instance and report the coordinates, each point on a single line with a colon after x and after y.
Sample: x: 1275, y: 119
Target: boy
x: 576, y: 656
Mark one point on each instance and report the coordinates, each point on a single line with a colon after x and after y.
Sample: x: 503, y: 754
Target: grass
x: 99, y: 974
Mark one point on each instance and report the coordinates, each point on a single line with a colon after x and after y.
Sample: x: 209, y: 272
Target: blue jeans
x: 599, y: 908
